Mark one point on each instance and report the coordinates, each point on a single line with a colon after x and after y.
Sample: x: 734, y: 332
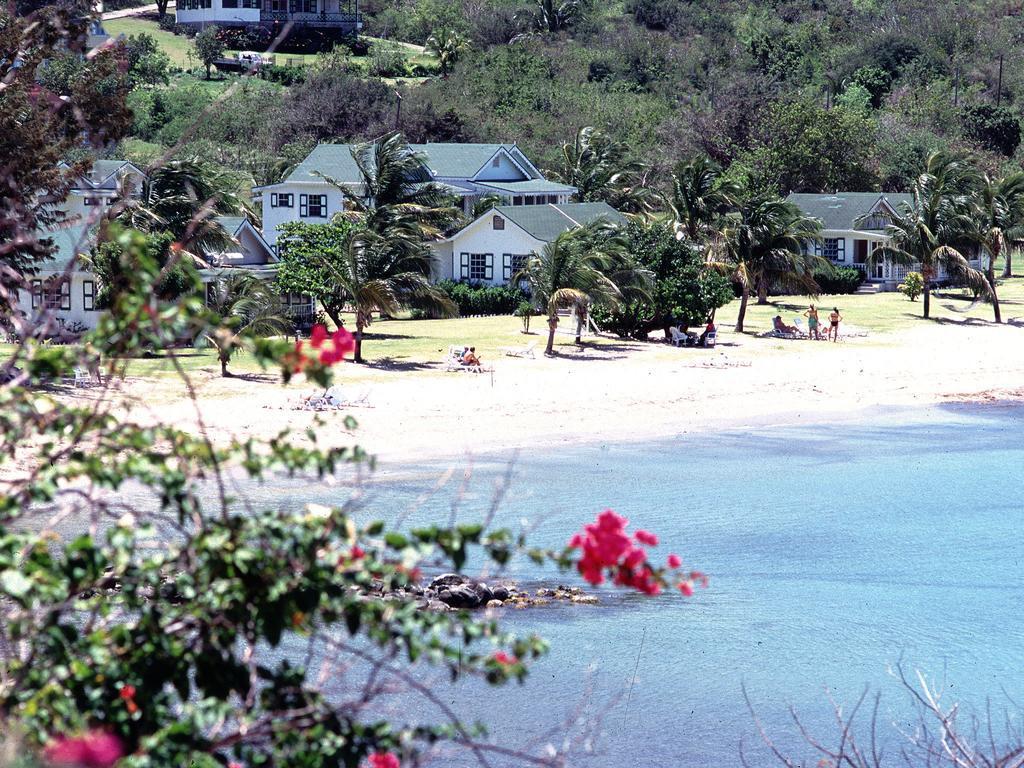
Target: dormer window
x: 496, y: 162
x: 497, y: 222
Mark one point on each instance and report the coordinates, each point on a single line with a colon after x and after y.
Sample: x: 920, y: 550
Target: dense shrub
x: 997, y: 129
x: 839, y: 279
x: 284, y: 75
x: 480, y: 299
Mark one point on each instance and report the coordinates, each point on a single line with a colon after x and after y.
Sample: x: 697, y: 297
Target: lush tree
x: 685, y: 288
x: 345, y: 264
x: 599, y: 169
x: 184, y: 197
x: 40, y: 127
x: 999, y: 217
x: 875, y: 80
x: 111, y: 262
x: 448, y: 45
x: 700, y: 198
x: 246, y: 307
x: 802, y: 147
x: 147, y: 63
x: 578, y: 269
x: 765, y: 240
x: 209, y: 46
x: 997, y: 129
x: 926, y: 231
x: 554, y: 16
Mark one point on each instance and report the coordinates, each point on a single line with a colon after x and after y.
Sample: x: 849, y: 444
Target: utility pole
x: 999, y: 88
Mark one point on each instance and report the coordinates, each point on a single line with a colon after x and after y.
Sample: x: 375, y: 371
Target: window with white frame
x: 834, y: 249
x: 512, y: 263
x: 476, y: 266
x: 282, y: 199
x: 51, y: 294
x: 313, y: 206
x: 89, y: 295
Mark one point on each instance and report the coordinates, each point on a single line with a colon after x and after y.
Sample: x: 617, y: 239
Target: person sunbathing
x: 470, y: 359
x: 780, y: 325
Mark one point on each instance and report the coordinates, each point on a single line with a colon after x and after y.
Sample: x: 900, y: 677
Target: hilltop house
x: 495, y: 246
x: 327, y: 15
x: 854, y: 226
x: 469, y: 171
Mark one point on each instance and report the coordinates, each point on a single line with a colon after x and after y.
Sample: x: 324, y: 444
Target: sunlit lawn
x: 176, y: 47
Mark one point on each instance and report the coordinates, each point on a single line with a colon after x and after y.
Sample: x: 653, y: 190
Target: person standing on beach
x: 834, y: 319
x: 812, y: 323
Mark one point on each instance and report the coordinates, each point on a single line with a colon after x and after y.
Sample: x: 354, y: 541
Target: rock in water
x: 448, y: 580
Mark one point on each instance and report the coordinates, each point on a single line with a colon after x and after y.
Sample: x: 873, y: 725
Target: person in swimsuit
x: 812, y: 323
x: 834, y: 318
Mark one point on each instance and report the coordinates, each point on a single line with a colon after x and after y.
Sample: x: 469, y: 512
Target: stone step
x: 869, y: 288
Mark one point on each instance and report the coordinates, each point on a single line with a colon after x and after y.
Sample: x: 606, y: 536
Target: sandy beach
x: 615, y: 391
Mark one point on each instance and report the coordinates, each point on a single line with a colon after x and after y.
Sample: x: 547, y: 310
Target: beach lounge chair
x: 679, y: 339
x: 782, y: 331
x: 710, y: 339
x: 83, y: 378
x: 526, y: 351
x: 454, y: 361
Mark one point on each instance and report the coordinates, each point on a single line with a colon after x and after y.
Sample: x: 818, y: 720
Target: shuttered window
x: 511, y: 263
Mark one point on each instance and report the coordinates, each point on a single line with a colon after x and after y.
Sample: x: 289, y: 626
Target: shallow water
x: 833, y: 552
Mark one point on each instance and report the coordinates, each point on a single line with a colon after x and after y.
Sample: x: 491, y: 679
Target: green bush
x: 274, y: 73
x: 479, y: 299
x: 839, y: 279
x: 912, y: 286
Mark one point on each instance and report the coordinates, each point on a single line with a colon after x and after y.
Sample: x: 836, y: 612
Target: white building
x: 854, y: 226
x: 62, y: 289
x: 470, y: 171
x: 495, y: 246
x: 340, y: 15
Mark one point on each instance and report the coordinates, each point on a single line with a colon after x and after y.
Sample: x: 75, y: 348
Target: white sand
x: 625, y: 392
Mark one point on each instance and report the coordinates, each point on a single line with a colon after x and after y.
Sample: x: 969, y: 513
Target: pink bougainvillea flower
x: 357, y: 552
x: 674, y: 561
x: 318, y: 336
x: 686, y: 588
x: 645, y: 537
x: 96, y: 749
x: 127, y: 692
x: 505, y: 659
x: 384, y: 760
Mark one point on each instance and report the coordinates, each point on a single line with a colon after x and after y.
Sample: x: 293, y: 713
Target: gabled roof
x: 842, y: 210
x: 231, y: 223
x: 546, y: 222
x: 533, y: 185
x: 234, y: 225
x: 68, y: 242
x: 450, y: 161
x: 102, y: 170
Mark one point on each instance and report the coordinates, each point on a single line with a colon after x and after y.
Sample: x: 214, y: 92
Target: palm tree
x: 763, y: 241
x: 999, y: 214
x: 184, y: 197
x: 578, y: 269
x: 700, y: 198
x: 552, y: 16
x: 597, y: 166
x: 926, y: 230
x: 374, y: 275
x: 448, y: 45
x: 247, y: 307
x: 485, y: 203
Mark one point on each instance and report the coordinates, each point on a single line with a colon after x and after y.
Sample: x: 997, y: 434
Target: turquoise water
x: 833, y: 553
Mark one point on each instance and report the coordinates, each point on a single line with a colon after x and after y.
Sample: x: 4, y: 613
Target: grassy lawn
x: 176, y: 47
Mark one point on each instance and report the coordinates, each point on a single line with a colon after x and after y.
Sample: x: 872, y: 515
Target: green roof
x: 102, y: 169
x: 231, y: 223
x: 456, y: 161
x: 546, y: 222
x: 68, y: 242
x: 842, y: 210
x: 533, y: 185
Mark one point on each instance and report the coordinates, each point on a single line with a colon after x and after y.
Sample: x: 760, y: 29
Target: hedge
x: 481, y: 299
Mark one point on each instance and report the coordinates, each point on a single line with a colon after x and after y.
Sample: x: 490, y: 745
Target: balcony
x: 322, y: 19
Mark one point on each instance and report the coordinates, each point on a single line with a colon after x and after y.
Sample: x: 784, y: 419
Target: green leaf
x: 14, y: 584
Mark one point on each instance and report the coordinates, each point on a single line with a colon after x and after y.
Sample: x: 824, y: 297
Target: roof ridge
x: 570, y: 218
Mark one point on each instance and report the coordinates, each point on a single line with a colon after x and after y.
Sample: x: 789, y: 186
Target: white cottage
x: 495, y: 246
x: 854, y: 226
x: 341, y: 16
x: 469, y: 171
x: 62, y: 288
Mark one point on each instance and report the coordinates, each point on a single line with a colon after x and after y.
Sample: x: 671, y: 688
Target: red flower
x: 647, y: 538
x: 384, y: 760
x: 686, y: 588
x: 357, y: 552
x: 234, y: 765
x: 674, y: 561
x: 127, y: 692
x: 96, y: 749
x: 505, y: 659
x: 318, y: 336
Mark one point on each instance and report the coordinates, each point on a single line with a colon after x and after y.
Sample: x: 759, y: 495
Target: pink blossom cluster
x: 383, y: 760
x: 95, y: 749
x: 607, y: 547
x: 327, y: 349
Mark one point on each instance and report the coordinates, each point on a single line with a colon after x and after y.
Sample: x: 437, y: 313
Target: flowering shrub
x: 162, y: 634
x: 607, y: 548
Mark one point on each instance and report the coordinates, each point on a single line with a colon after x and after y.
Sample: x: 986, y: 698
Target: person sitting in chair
x: 469, y: 358
x: 780, y: 325
x: 708, y: 330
